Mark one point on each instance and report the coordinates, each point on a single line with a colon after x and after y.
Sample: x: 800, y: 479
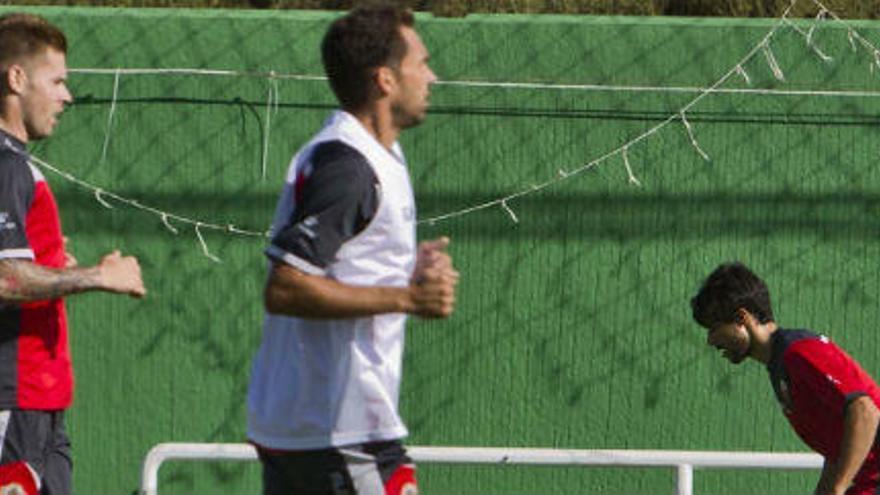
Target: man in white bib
x: 345, y: 272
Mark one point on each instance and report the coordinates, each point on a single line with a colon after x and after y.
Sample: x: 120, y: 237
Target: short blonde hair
x: 24, y: 36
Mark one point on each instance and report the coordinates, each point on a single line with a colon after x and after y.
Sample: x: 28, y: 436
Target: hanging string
x: 852, y: 40
x: 694, y: 143
x: 509, y: 211
x: 774, y: 65
x: 745, y: 75
x: 632, y: 177
x: 764, y: 46
x: 271, y: 105
x: 164, y: 217
x: 819, y: 18
x: 854, y: 36
x: 498, y: 84
x: 715, y: 88
x: 808, y: 38
x: 110, y: 115
x: 99, y: 199
x: 205, y: 245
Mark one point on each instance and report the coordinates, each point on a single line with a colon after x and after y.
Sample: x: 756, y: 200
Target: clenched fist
x: 121, y: 274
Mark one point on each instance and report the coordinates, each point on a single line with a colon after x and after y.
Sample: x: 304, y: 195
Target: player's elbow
x: 276, y: 301
x: 865, y: 408
x: 282, y: 293
x: 872, y: 412
x: 10, y: 293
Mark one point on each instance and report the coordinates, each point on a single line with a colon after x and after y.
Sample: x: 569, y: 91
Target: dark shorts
x: 380, y: 468
x: 38, y: 438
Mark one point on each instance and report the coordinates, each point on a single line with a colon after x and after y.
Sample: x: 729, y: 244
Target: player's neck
x: 378, y: 122
x: 11, y: 122
x: 762, y: 342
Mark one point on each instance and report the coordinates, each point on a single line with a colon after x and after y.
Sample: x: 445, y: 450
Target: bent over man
x: 829, y: 400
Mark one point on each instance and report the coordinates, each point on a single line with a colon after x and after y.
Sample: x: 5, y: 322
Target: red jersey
x: 35, y: 366
x: 814, y: 381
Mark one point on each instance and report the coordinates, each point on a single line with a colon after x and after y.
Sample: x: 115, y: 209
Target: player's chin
x: 736, y: 358
x: 40, y: 133
x: 413, y: 120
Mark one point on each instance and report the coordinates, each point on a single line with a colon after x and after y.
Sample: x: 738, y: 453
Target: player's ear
x: 384, y: 79
x: 14, y: 79
x: 747, y: 319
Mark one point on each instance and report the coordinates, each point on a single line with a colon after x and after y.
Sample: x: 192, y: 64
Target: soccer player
x: 345, y: 270
x: 36, y: 271
x: 829, y: 400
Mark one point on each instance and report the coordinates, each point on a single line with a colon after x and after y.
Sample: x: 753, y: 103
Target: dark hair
x: 26, y: 35
x: 727, y: 289
x: 366, y: 38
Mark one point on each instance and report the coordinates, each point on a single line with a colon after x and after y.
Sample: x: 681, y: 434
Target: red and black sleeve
x: 834, y: 378
x: 16, y: 196
x: 334, y: 203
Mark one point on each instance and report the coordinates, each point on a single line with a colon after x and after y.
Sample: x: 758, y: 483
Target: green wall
x: 573, y: 326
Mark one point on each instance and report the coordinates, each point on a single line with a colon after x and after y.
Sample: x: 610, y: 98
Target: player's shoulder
x: 336, y: 151
x: 786, y: 337
x: 14, y: 166
x: 338, y: 161
x: 813, y: 348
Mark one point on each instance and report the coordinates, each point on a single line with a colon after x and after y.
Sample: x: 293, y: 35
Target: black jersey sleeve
x: 16, y: 195
x: 336, y: 202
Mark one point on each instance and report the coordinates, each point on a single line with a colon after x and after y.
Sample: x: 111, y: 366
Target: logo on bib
x: 5, y: 224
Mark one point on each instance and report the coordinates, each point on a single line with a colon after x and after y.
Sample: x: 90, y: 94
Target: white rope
x: 271, y: 104
x: 808, y: 38
x: 509, y: 211
x: 629, y: 171
x: 164, y: 216
x: 774, y: 65
x: 205, y: 245
x: 745, y: 75
x: 853, y: 35
x: 511, y: 85
x: 562, y: 174
x: 694, y: 143
x: 99, y: 199
x: 110, y: 118
x: 825, y: 58
x: 596, y: 162
x: 196, y: 72
x: 135, y: 204
x: 821, y: 16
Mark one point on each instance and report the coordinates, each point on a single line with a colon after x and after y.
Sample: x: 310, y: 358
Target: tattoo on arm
x: 23, y: 281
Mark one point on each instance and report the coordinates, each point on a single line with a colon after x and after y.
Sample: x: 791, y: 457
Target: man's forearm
x: 859, y: 431
x: 23, y: 281
x: 293, y: 293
